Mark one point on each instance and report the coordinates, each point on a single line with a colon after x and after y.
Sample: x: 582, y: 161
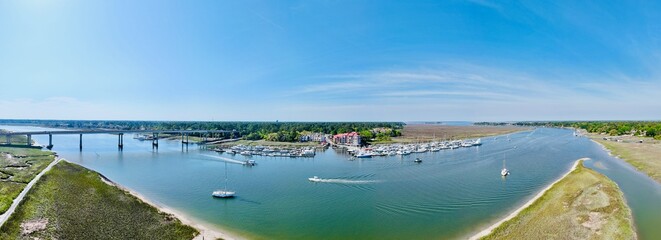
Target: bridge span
x: 120, y: 135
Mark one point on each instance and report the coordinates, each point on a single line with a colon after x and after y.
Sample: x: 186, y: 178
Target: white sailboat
x: 504, y: 172
x: 224, y: 193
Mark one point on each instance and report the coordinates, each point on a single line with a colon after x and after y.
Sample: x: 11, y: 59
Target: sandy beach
x: 488, y: 230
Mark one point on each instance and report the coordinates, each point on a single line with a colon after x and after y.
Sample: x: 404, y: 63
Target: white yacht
x: 362, y: 154
x: 308, y: 153
x: 223, y: 194
x: 314, y: 179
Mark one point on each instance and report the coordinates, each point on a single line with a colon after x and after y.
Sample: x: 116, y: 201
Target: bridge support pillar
x: 120, y: 141
x: 50, y: 141
x: 154, y: 141
x: 81, y: 142
x: 29, y: 140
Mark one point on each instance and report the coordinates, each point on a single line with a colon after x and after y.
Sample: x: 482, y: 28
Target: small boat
x: 417, y: 160
x: 223, y: 193
x: 308, y: 153
x: 314, y: 179
x: 363, y: 155
x: 477, y: 142
x: 250, y: 163
x: 139, y: 137
x: 504, y: 172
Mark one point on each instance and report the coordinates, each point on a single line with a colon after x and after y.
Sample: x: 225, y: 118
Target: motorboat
x: 223, y: 194
x: 363, y: 155
x: 417, y: 160
x: 314, y: 179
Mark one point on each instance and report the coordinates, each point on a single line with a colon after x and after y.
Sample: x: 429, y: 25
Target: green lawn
x: 584, y: 205
x: 72, y: 202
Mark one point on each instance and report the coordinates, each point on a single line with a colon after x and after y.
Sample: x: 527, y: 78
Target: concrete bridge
x: 120, y: 134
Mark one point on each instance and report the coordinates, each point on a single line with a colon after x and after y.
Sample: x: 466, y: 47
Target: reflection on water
x: 449, y: 195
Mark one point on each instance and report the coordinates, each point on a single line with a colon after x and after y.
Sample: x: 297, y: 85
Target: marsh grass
x: 583, y: 205
x: 429, y: 132
x: 78, y: 205
x: 646, y: 156
x: 17, y: 169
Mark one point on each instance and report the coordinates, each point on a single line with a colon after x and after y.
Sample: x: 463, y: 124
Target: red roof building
x: 352, y: 139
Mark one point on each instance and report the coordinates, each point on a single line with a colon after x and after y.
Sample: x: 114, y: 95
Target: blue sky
x: 306, y: 60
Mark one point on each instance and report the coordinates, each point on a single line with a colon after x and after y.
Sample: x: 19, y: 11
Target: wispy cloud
x: 472, y: 82
x: 466, y: 89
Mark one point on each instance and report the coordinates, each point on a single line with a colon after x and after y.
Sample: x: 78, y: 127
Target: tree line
x: 613, y: 128
x: 273, y: 131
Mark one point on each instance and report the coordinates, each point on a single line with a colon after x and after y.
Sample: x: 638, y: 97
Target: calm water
x: 450, y: 195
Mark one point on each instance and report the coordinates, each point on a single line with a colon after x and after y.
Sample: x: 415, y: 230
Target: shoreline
x: 516, y: 212
x: 206, y: 232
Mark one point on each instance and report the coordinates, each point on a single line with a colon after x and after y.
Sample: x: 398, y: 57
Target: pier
x: 120, y: 135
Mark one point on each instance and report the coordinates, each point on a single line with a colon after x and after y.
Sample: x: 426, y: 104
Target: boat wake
x: 229, y: 160
x: 345, y: 181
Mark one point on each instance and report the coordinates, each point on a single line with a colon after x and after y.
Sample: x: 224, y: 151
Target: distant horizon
x: 402, y: 121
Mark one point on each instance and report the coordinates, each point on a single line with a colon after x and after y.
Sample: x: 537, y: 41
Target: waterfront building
x: 350, y: 139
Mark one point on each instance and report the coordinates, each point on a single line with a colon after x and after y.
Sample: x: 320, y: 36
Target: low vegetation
x: 72, y: 202
x: 583, y: 205
x: 18, y: 166
x: 429, y: 132
x: 642, y: 153
x: 613, y: 128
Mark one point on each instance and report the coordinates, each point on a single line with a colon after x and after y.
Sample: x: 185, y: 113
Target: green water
x: 452, y: 194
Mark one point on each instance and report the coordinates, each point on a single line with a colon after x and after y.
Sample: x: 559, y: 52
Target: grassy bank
x: 72, y: 202
x: 646, y: 156
x: 583, y: 205
x: 18, y: 166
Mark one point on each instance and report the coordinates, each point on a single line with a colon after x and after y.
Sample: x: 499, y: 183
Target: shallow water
x: 450, y: 195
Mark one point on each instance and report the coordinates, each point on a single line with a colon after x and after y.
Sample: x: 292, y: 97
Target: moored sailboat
x: 224, y: 193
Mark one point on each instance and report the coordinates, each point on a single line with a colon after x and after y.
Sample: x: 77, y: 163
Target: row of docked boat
x: 268, y: 151
x: 406, y: 149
